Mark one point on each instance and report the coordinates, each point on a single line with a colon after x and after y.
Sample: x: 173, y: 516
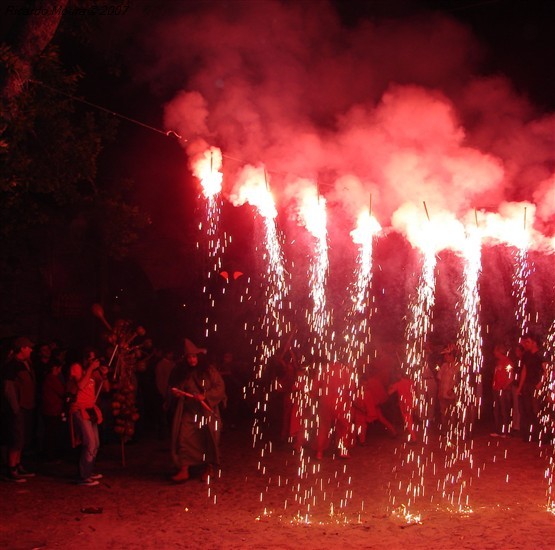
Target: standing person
x: 428, y: 410
x: 334, y: 389
x: 41, y: 362
x: 533, y: 371
x: 503, y: 376
x: 51, y: 408
x: 162, y: 373
x: 403, y: 386
x: 197, y: 422
x: 85, y: 416
x: 19, y: 389
x: 515, y: 403
x: 448, y: 378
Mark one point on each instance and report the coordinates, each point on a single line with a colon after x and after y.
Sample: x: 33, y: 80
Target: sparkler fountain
x: 458, y: 442
x: 206, y: 166
x: 417, y: 457
x: 255, y: 191
x: 312, y: 214
x: 327, y: 377
x: 521, y: 276
x: 357, y: 337
x: 547, y: 416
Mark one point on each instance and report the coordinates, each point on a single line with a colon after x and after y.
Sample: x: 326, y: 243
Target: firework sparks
x: 458, y: 442
x: 418, y: 329
x: 206, y: 166
x: 313, y: 217
x: 255, y: 191
x: 520, y: 284
x: 363, y: 235
x: 547, y: 415
x: 359, y: 314
x: 416, y: 366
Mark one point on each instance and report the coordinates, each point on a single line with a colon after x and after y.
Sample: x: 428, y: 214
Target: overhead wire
x: 166, y: 133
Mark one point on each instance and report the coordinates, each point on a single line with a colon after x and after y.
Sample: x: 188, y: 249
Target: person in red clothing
x: 404, y: 389
x: 85, y: 416
x: 334, y: 387
x: 52, y: 408
x: 19, y: 389
x: 367, y: 406
x: 503, y: 377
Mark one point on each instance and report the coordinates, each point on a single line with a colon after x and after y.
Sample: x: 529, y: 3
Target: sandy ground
x: 271, y: 502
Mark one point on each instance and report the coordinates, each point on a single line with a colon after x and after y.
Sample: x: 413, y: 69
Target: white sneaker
x: 89, y: 482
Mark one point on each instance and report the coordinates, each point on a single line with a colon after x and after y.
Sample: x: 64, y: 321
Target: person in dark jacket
x: 19, y: 389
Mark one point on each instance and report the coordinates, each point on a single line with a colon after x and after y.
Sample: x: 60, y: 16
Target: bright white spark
x: 458, y: 440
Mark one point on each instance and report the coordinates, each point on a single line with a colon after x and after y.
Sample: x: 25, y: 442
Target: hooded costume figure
x: 197, y: 423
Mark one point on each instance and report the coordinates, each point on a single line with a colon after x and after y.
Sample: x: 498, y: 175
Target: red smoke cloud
x: 392, y: 110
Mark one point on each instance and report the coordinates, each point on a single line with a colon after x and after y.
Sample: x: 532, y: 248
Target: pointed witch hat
x: 191, y: 348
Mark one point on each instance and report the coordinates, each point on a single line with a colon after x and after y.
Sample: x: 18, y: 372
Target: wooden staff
x: 122, y: 444
x: 118, y: 360
x: 72, y: 430
x: 182, y: 393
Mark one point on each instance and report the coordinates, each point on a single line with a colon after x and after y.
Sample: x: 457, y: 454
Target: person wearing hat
x: 19, y: 389
x: 197, y: 423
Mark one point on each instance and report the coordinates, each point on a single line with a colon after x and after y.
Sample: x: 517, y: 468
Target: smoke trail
x: 393, y: 103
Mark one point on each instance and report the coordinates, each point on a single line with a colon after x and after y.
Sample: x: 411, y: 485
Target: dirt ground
x: 283, y: 500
